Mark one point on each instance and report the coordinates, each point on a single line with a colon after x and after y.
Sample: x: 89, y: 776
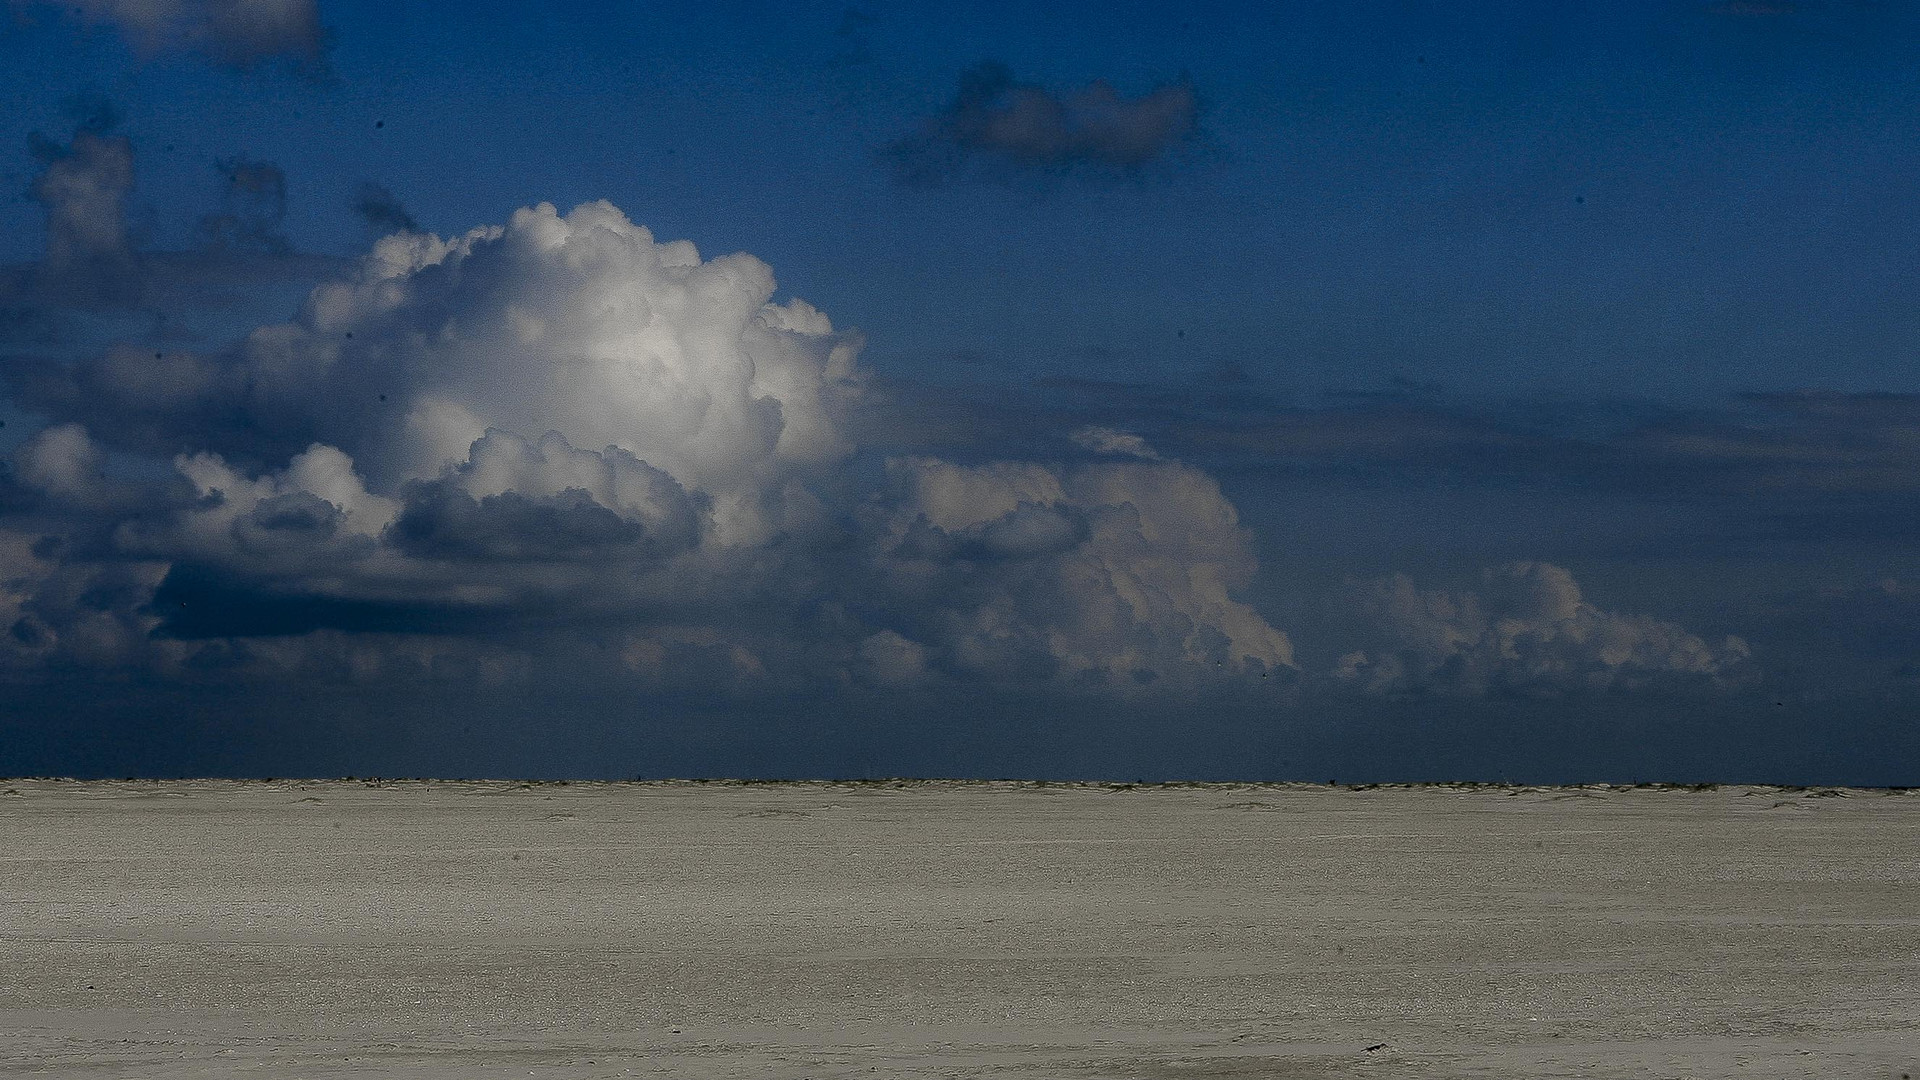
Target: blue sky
x: 1654, y: 199
x: 1622, y: 291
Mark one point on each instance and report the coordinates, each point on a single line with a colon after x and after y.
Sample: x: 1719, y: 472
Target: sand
x: 353, y: 929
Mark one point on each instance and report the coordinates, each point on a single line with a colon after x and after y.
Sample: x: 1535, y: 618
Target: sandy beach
x: 453, y: 929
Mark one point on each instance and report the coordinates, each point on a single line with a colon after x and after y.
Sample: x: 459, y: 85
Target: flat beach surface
x: 444, y: 929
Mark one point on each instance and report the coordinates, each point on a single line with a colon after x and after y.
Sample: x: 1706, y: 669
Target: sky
x: 1358, y: 391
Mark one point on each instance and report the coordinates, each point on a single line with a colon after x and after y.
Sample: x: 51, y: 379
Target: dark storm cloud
x: 381, y: 211
x: 999, y: 121
x: 236, y: 33
x: 15, y: 497
x: 201, y: 602
x: 291, y: 525
x: 440, y: 521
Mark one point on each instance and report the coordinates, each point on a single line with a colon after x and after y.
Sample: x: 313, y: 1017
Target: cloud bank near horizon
x: 562, y: 437
x: 561, y: 423
x: 1526, y: 631
x: 563, y: 428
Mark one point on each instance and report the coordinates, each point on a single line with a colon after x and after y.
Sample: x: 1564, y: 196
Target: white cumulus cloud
x: 1527, y: 629
x: 562, y: 425
x: 1122, y: 570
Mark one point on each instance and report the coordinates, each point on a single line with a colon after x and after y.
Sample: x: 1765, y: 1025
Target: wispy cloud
x: 235, y: 33
x: 94, y: 261
x: 382, y: 212
x: 997, y: 121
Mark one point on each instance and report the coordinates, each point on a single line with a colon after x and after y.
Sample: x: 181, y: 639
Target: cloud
x: 888, y: 659
x: 83, y: 188
x: 1104, y: 571
x: 236, y: 33
x: 441, y: 522
x: 56, y: 613
x: 1527, y: 631
x: 94, y: 262
x: 996, y: 120
x: 578, y: 324
x: 411, y: 457
x: 381, y: 211
x: 60, y: 460
x: 1106, y: 440
x: 1809, y: 441
x: 62, y: 466
x: 158, y: 401
x: 253, y: 208
x: 1808, y: 446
